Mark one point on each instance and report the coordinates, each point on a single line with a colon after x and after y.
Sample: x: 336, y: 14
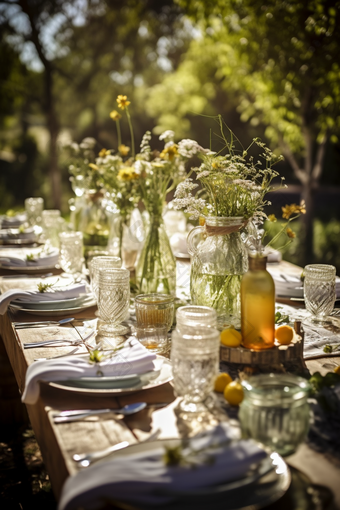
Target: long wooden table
x: 58, y: 442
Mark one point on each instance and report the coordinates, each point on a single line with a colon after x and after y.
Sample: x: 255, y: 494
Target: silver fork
x: 47, y: 343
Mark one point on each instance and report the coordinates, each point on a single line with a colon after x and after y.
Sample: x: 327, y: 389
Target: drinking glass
x: 98, y: 263
x: 71, y: 252
x: 155, y: 309
x: 195, y: 364
x: 191, y: 316
x: 52, y: 224
x: 34, y: 207
x: 113, y: 300
x: 319, y: 291
x: 154, y: 338
x: 275, y: 411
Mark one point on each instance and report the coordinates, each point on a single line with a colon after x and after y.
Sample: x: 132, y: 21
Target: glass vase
x: 94, y: 220
x: 156, y: 266
x: 219, y: 261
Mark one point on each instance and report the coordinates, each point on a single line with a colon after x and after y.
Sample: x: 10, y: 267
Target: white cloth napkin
x: 133, y: 358
x: 144, y: 479
x: 18, y: 257
x: 34, y: 296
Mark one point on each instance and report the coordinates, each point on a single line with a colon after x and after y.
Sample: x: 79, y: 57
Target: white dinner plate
x: 261, y: 488
x: 141, y: 382
x: 27, y: 269
x: 54, y: 304
x: 57, y: 312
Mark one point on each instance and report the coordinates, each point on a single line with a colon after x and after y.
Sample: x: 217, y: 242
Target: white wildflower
x: 88, y: 143
x: 167, y: 136
x: 203, y: 174
x: 188, y: 148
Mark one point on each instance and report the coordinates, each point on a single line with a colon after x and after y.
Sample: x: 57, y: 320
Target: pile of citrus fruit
x: 232, y: 390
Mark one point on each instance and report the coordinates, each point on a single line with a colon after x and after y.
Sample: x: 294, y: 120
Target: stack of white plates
x: 55, y: 308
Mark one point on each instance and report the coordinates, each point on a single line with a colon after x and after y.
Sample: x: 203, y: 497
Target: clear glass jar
x: 319, y: 290
x: 156, y: 265
x: 191, y: 316
x: 275, y: 411
x: 218, y: 263
x: 195, y: 363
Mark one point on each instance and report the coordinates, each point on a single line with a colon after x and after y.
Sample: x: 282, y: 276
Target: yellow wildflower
x: 169, y: 153
x: 272, y: 218
x: 288, y: 210
x: 123, y: 102
x: 103, y: 153
x: 123, y: 150
x: 115, y: 115
x: 93, y: 166
x: 290, y: 233
x: 127, y: 173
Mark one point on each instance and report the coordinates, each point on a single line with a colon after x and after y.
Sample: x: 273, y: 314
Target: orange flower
x: 272, y: 218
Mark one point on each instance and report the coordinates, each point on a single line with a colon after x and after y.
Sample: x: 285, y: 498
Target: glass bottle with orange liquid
x: 257, y: 305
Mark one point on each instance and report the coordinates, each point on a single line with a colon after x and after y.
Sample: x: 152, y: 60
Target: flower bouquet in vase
x: 159, y: 173
x: 232, y: 189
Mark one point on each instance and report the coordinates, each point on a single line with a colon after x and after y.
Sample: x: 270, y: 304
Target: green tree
x: 279, y: 61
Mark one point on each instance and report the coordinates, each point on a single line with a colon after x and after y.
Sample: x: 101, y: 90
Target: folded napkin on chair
x: 145, y: 479
x: 132, y: 358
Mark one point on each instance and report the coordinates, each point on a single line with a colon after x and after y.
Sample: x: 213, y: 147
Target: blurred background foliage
x: 271, y: 69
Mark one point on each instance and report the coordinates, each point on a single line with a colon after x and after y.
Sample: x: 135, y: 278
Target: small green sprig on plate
x: 183, y: 455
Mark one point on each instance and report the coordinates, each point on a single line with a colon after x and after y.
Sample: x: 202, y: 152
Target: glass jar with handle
x: 219, y: 260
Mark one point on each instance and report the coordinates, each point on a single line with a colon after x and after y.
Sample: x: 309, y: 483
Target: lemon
x: 337, y: 370
x: 284, y: 334
x: 221, y: 381
x: 231, y: 337
x: 233, y: 393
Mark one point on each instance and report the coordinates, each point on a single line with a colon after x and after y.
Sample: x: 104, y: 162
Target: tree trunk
x: 307, y: 239
x: 53, y: 128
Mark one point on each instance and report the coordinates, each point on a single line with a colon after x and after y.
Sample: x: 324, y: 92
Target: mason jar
x: 275, y: 411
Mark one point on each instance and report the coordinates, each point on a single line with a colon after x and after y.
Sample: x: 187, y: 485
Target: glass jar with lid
x: 275, y: 411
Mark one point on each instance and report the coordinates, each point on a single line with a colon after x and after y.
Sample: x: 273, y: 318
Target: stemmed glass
x: 113, y: 301
x: 101, y: 262
x: 71, y: 252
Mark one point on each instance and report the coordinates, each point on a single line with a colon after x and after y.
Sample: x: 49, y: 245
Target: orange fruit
x: 337, y: 370
x: 284, y: 334
x: 233, y: 393
x: 231, y: 337
x: 221, y: 381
